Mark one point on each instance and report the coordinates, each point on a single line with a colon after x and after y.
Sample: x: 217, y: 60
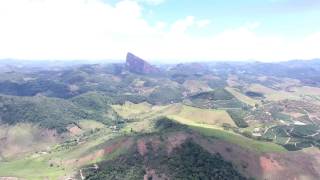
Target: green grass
x: 245, y: 142
x: 145, y: 111
x: 191, y: 115
x: 90, y: 124
x: 131, y: 110
x: 31, y: 169
x: 241, y: 97
x: 238, y: 116
x: 38, y: 166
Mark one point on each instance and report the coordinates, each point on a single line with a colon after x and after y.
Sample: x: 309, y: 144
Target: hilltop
x: 137, y: 65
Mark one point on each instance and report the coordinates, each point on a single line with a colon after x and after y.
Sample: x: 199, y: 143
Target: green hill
x: 55, y: 113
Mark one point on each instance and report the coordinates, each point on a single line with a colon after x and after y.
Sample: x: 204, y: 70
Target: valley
x: 134, y: 121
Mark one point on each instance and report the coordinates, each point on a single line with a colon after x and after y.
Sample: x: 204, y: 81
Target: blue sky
x: 291, y: 18
x: 160, y: 30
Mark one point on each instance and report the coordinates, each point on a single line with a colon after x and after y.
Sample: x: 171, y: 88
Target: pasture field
x: 190, y: 114
x: 307, y: 90
x: 241, y: 97
x: 258, y: 146
x: 129, y: 110
x: 32, y: 169
x: 22, y: 138
x: 143, y: 111
x: 90, y: 124
x: 310, y: 93
x: 59, y: 159
x: 271, y: 94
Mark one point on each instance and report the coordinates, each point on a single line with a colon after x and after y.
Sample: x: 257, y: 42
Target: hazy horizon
x: 159, y: 31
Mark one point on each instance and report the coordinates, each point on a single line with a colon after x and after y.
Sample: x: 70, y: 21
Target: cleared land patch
x: 131, y: 110
x: 24, y: 138
x: 241, y: 97
x: 195, y: 86
x: 271, y: 94
x: 189, y: 114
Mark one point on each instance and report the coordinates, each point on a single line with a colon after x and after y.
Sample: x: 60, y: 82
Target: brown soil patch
x: 75, y: 130
x: 154, y: 142
x: 142, y: 147
x: 125, y: 143
x: 246, y: 161
x: 298, y: 165
x: 292, y: 165
x: 269, y: 165
x: 175, y: 141
x: 85, y: 159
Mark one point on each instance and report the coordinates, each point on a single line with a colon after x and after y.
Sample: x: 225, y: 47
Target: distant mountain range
x: 132, y: 120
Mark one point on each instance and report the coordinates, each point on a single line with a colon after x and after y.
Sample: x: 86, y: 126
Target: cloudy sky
x: 160, y: 30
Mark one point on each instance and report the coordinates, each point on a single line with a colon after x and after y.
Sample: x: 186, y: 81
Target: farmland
x: 169, y: 121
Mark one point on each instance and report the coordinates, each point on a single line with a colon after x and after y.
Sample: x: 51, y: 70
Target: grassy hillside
x: 241, y: 97
x: 188, y: 114
x: 31, y: 169
x: 23, y: 138
x: 240, y: 140
x: 61, y: 159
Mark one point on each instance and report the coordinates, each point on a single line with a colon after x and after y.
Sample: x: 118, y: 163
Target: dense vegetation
x: 166, y: 124
x: 31, y: 88
x: 129, y: 166
x: 165, y: 95
x: 219, y: 98
x: 238, y: 116
x: 188, y: 162
x: 218, y: 94
x: 48, y: 112
x: 55, y: 113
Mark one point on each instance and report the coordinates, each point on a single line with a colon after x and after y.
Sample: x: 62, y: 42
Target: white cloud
x: 91, y: 29
x: 203, y: 23
x: 152, y: 2
x: 182, y: 25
